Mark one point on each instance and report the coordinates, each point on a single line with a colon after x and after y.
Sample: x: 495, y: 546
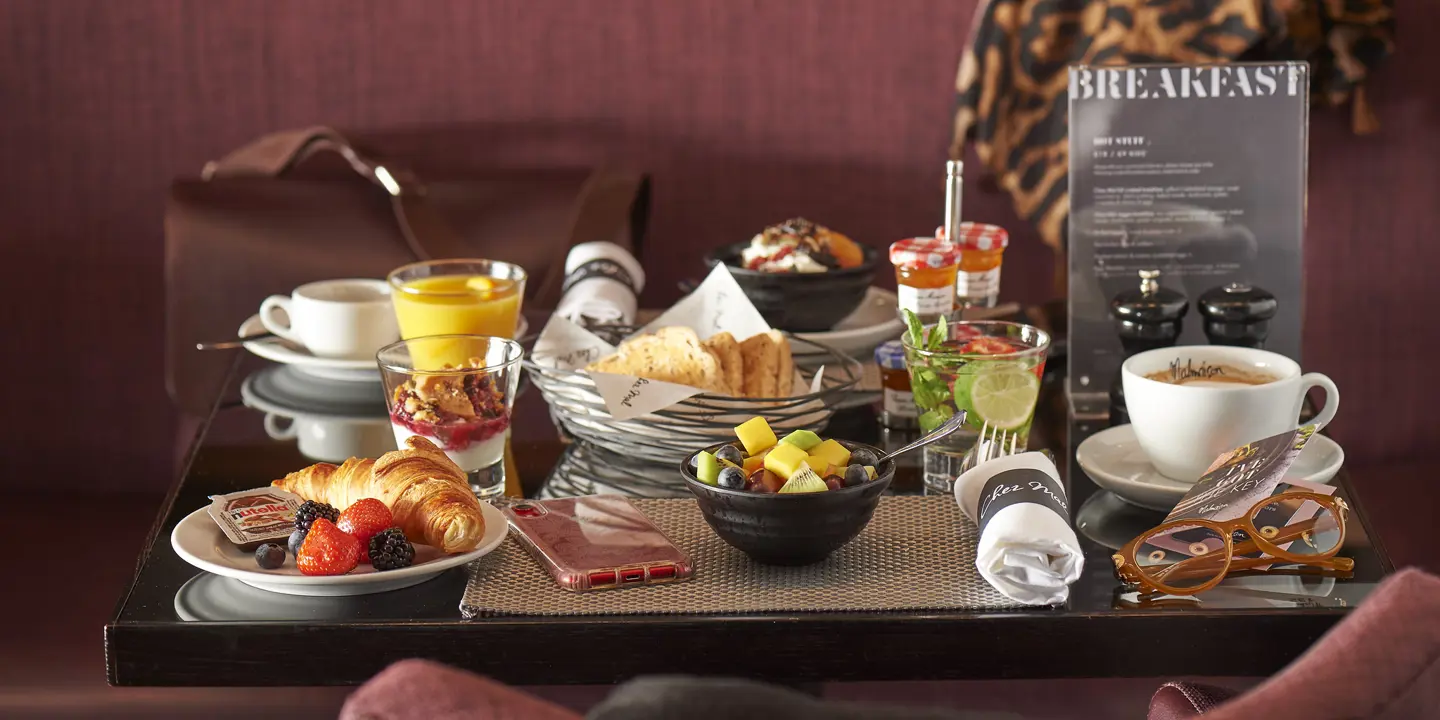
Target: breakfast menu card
x: 718, y: 305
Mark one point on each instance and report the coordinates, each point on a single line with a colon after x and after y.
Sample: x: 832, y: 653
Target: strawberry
x: 366, y: 519
x: 327, y: 550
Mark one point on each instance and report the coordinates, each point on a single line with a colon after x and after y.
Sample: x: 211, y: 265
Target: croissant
x: 425, y: 491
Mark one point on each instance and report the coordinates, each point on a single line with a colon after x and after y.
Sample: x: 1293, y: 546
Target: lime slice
x: 1004, y: 398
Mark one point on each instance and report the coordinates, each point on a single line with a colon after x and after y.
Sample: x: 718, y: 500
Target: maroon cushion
x: 422, y: 689
x: 1381, y: 663
x: 1181, y: 700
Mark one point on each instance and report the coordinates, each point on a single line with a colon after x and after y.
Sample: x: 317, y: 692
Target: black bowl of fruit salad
x: 801, y: 499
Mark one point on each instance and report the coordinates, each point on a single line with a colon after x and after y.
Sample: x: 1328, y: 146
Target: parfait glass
x: 457, y: 391
x: 989, y: 369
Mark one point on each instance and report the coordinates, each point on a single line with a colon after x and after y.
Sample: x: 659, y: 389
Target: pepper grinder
x: 1237, y: 314
x: 1146, y: 318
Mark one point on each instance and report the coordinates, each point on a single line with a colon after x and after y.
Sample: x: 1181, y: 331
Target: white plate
x: 872, y: 323
x: 199, y: 541
x: 287, y: 353
x: 1114, y: 460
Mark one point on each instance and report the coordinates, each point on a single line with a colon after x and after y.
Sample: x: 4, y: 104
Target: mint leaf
x: 937, y: 335
x: 917, y: 332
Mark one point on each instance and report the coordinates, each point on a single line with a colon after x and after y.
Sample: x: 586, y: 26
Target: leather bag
x: 252, y: 226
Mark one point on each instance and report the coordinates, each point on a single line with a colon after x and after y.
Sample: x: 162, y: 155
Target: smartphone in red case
x: 597, y: 542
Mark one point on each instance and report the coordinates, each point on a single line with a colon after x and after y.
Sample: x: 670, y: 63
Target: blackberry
x: 389, y: 550
x: 310, y: 510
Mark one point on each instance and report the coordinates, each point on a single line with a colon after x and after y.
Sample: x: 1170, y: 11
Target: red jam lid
x: 979, y: 236
x: 924, y: 252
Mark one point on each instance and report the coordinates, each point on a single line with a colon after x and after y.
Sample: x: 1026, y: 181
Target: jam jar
x: 925, y: 273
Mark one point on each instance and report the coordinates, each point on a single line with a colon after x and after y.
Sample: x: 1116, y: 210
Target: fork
x: 993, y: 443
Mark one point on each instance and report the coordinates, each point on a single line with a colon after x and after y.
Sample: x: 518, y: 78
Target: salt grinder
x: 1237, y: 314
x: 1146, y: 318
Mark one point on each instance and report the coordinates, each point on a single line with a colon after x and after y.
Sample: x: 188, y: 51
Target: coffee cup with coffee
x: 1189, y: 404
x: 347, y: 319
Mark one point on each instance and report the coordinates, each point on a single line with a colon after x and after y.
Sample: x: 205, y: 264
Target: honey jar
x: 897, y: 404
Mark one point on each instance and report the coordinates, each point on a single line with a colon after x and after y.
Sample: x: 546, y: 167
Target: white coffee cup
x: 331, y: 439
x: 348, y: 319
x: 1184, y: 426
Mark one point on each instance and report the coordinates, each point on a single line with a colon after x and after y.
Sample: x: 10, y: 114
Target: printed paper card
x: 1242, y: 477
x: 1238, y: 480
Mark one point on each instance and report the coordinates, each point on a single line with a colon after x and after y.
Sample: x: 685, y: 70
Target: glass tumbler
x: 989, y: 369
x: 457, y: 297
x: 457, y: 391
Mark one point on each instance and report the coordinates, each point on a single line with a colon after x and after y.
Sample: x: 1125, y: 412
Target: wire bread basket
x: 671, y: 434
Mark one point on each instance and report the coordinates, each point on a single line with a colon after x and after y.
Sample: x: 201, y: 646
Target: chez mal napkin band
x: 1020, y: 485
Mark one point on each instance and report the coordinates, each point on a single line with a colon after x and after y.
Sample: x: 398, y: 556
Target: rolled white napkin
x: 1027, y: 551
x: 602, y: 282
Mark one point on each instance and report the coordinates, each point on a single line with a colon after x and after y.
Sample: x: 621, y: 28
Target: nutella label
x: 251, y: 517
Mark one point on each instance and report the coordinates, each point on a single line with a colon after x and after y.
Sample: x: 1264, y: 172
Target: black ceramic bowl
x: 792, y: 529
x: 800, y: 302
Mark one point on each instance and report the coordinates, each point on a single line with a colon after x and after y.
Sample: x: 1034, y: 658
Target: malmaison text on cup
x: 1198, y: 82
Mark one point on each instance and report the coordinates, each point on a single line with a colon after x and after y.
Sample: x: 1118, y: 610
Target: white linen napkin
x: 1027, y: 551
x: 602, y: 281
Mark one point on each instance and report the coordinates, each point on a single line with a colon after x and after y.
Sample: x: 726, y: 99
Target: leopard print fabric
x: 1013, y: 76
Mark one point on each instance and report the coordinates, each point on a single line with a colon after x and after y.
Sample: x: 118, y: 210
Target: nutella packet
x: 250, y: 518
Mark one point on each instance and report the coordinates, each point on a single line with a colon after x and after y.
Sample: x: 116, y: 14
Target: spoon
x: 230, y: 344
x: 954, y: 423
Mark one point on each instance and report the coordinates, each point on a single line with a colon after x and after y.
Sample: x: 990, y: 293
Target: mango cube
x: 870, y: 470
x: 803, y: 439
x: 785, y: 460
x: 819, y: 465
x: 832, y: 452
x: 755, y: 434
x: 753, y: 463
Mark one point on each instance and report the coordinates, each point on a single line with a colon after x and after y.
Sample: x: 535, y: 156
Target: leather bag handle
x: 425, y: 232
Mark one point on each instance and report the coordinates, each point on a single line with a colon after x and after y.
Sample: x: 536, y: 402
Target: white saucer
x: 287, y: 353
x: 199, y: 541
x: 1114, y: 460
x: 872, y: 323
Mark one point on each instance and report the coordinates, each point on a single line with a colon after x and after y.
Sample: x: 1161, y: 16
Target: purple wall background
x: 744, y: 112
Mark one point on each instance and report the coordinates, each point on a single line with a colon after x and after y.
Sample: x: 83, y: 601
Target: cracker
x: 762, y: 363
x: 672, y: 354
x: 785, y: 373
x: 727, y: 348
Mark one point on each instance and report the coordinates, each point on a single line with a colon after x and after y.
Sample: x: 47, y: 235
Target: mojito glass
x: 990, y: 369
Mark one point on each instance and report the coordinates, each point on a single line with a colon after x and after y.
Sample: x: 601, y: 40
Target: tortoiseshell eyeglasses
x: 1184, y: 557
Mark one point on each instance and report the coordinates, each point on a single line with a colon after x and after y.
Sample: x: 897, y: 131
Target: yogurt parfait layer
x: 464, y: 414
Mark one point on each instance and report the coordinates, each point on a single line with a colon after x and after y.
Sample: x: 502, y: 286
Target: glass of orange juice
x: 456, y: 297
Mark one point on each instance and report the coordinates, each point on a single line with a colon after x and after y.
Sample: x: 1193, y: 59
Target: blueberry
x: 269, y: 556
x: 731, y: 478
x: 856, y: 475
x: 296, y: 539
x: 861, y: 456
x: 695, y: 461
x: 729, y: 453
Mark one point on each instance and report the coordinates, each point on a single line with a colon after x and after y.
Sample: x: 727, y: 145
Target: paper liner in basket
x: 718, y: 305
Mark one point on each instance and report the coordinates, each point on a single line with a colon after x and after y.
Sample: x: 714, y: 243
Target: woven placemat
x: 918, y: 553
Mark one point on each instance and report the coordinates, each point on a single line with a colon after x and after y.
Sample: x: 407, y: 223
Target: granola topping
x: 455, y: 409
